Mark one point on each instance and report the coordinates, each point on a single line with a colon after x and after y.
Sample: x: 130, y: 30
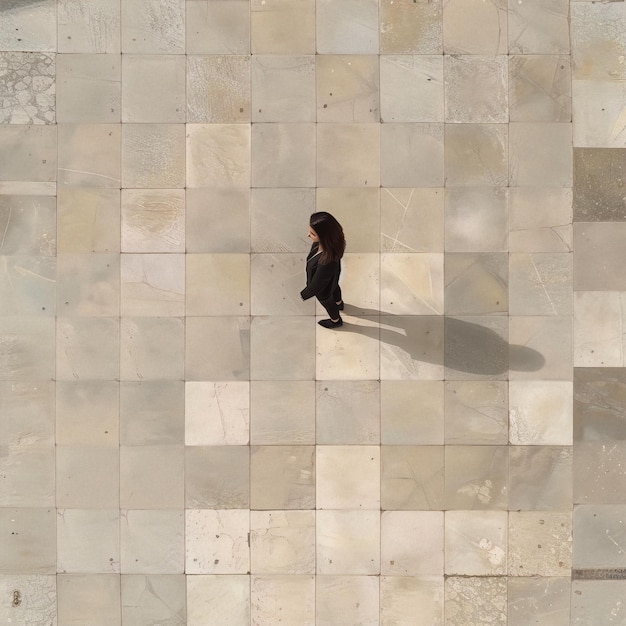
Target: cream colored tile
x: 225, y: 597
x: 221, y: 27
x: 597, y: 110
x: 537, y: 27
x: 165, y: 600
x: 33, y: 348
x: 78, y: 594
x: 409, y: 600
x: 27, y: 475
x: 291, y: 597
x: 410, y: 27
x: 360, y: 283
x: 347, y: 599
x: 599, y: 255
x: 27, y: 27
x: 39, y: 598
x: 28, y: 412
x: 459, y: 595
x: 347, y: 27
x: 28, y: 223
x: 149, y: 27
x: 475, y: 27
x: 93, y: 27
x: 29, y: 153
x: 282, y: 26
x: 27, y: 284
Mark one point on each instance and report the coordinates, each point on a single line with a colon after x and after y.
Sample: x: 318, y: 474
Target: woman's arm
x: 323, y: 276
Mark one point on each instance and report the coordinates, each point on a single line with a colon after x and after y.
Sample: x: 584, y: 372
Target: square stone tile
x: 153, y: 542
x: 227, y: 336
x: 88, y: 285
x: 475, y: 27
x: 341, y: 551
x: 408, y: 600
x: 28, y: 152
x: 222, y: 27
x: 218, y: 220
x: 39, y: 598
x: 410, y: 27
x: 597, y: 110
x: 282, y: 412
x: 225, y: 597
x: 152, y: 477
x: 283, y: 155
x: 291, y: 597
x: 149, y: 27
x: 460, y: 597
x: 348, y: 155
x: 476, y: 543
x: 32, y: 355
x: 217, y: 413
x: 29, y: 225
x: 282, y: 542
x: 282, y: 477
x: 346, y: 599
x: 348, y: 88
x: 27, y: 475
x: 217, y: 477
x: 411, y: 220
x: 151, y: 348
x: 598, y: 180
x: 411, y: 88
x: 549, y: 167
x: 88, y: 88
x: 599, y: 533
x: 282, y: 27
x: 537, y: 27
x: 218, y: 87
x: 596, y: 601
x: 476, y: 155
x: 146, y: 600
x: 540, y: 88
x: 152, y: 412
x: 87, y: 348
x: 599, y: 477
x: 153, y: 156
x: 153, y: 88
x: 87, y: 413
x: 216, y: 542
x: 27, y: 284
x: 476, y: 477
x: 76, y: 594
x: 92, y: 28
x: 89, y: 156
x: 88, y: 541
x: 476, y: 412
x: 543, y: 599
x: 412, y: 155
x: 217, y: 284
x: 360, y: 280
x: 412, y: 543
x: 599, y: 255
x: 348, y: 477
x: 87, y: 477
x: 29, y: 546
x: 476, y: 89
x: 27, y: 27
x: 283, y: 88
x: 291, y: 337
x: 347, y: 26
x: 598, y: 399
x: 540, y: 478
x: 28, y: 412
x: 476, y: 219
x: 412, y: 478
x: 598, y: 320
x: 347, y: 412
x: 88, y: 220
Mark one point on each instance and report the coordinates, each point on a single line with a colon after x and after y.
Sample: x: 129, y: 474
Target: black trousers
x: 330, y: 304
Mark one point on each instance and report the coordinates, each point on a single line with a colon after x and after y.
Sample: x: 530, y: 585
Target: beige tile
x: 165, y: 600
x: 225, y: 597
x: 282, y: 26
x: 149, y: 27
x: 79, y: 594
x: 347, y: 27
x: 410, y: 27
x: 540, y: 599
x: 599, y: 476
x: 537, y: 27
x: 28, y: 223
x: 27, y: 284
x: 28, y: 153
x: 597, y: 109
x: 27, y: 475
x: 39, y: 598
x: 409, y: 600
x: 27, y: 27
x: 460, y: 593
x: 94, y: 27
x: 475, y: 27
x: 33, y: 348
x: 221, y: 27
x: 291, y: 597
x: 346, y: 600
x: 599, y: 256
x: 360, y: 284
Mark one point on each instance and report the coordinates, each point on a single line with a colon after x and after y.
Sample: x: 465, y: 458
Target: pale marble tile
x: 412, y: 155
x: 478, y: 600
x: 282, y: 26
x: 217, y: 413
x: 151, y: 27
x: 282, y: 542
x: 152, y: 348
x: 28, y: 348
x: 29, y: 544
x: 476, y: 543
x: 79, y: 594
x: 28, y: 412
x: 340, y: 550
x: 218, y: 86
x: 282, y: 477
x: 411, y: 88
x: 153, y: 88
x: 347, y: 26
x: 217, y: 541
x: 599, y: 532
x: 88, y: 541
x: 148, y: 600
x: 596, y: 601
x: 347, y: 88
x: 599, y: 476
x: 412, y: 601
x: 217, y: 477
x: 291, y: 597
x: 540, y: 543
x: 27, y: 475
x: 360, y: 282
x: 152, y: 542
x: 412, y: 543
x: 28, y: 153
x: 38, y: 599
x: 92, y: 27
x: 27, y: 284
x: 226, y: 598
x: 218, y: 27
x: 347, y: 600
x: 599, y: 256
x: 410, y: 27
x: 598, y: 108
x: 29, y: 26
x: 543, y: 599
x: 348, y: 477
x: 475, y: 27
x: 537, y: 27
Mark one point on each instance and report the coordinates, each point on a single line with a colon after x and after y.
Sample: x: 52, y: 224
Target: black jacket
x: 321, y: 278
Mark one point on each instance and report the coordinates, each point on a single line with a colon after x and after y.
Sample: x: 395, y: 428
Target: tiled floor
x: 181, y: 443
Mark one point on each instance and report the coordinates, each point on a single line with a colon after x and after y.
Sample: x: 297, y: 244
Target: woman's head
x: 329, y: 234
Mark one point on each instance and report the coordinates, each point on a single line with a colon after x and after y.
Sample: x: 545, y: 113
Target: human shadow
x: 454, y: 343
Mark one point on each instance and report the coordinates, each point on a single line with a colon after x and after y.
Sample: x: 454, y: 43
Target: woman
x: 323, y: 266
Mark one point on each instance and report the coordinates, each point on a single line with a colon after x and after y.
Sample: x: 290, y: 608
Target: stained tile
x: 149, y: 599
x: 410, y: 27
x: 28, y: 152
x: 222, y: 27
x: 599, y: 477
x: 291, y: 597
x: 599, y: 536
x: 225, y: 597
x: 460, y: 594
x: 408, y: 600
x: 39, y: 598
x: 537, y: 27
x: 27, y: 27
x: 346, y: 599
x: 92, y: 28
x: 282, y: 27
x: 544, y: 599
x: 76, y: 594
x: 148, y: 27
x: 475, y: 27
x: 338, y: 32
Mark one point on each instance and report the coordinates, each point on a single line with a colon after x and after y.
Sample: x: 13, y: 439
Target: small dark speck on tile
x: 325, y: 106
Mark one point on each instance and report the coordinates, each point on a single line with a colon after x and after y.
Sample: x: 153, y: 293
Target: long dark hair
x: 330, y: 234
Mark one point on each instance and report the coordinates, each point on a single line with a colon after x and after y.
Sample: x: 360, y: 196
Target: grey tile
x: 599, y: 477
x: 475, y: 27
x: 222, y: 27
x: 597, y: 107
x: 28, y: 152
x: 150, y: 598
x: 75, y: 593
x: 149, y: 27
x: 91, y: 28
x: 599, y: 257
x: 282, y: 27
x: 596, y: 601
x: 410, y: 27
x: 537, y: 27
x: 338, y: 30
x: 542, y: 599
x: 599, y: 533
x: 28, y: 224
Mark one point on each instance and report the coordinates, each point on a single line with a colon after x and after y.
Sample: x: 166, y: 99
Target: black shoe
x: 340, y: 306
x: 330, y: 324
